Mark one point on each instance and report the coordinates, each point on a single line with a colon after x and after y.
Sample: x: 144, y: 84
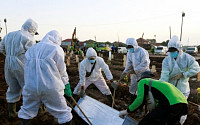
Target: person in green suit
x: 171, y: 103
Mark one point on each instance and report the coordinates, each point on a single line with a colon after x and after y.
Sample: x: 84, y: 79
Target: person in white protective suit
x: 13, y: 46
x: 45, y: 80
x: 137, y: 62
x: 88, y: 76
x: 178, y: 67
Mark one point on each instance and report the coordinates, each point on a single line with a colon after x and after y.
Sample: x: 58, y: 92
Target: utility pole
x: 155, y: 38
x: 170, y: 32
x: 118, y: 36
x: 183, y: 15
x: 95, y: 38
x: 142, y: 38
x: 5, y: 25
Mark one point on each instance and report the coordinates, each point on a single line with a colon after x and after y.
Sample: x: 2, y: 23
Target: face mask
x: 91, y: 61
x: 174, y: 54
x: 131, y: 50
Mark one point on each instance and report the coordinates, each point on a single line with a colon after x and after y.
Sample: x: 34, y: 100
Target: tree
x: 152, y: 41
x: 165, y: 43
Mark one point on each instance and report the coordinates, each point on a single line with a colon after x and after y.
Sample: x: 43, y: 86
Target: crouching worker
x: 90, y: 72
x: 171, y: 103
x: 45, y: 80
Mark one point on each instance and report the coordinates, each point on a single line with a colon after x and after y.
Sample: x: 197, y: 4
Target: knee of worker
x: 13, y: 95
x: 26, y: 113
x: 65, y: 118
x: 59, y: 109
x: 106, y: 91
x: 182, y: 119
x: 62, y: 114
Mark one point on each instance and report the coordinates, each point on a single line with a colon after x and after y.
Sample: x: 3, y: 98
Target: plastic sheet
x: 99, y: 113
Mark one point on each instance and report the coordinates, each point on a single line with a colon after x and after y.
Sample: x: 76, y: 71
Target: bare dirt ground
x: 122, y: 97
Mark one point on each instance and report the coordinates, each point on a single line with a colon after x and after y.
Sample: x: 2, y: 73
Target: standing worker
x: 138, y: 60
x: 13, y: 46
x: 171, y: 105
x: 178, y: 67
x: 90, y: 72
x: 45, y: 80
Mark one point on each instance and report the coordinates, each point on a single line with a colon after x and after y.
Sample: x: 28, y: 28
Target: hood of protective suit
x: 53, y: 37
x: 174, y: 42
x: 30, y: 26
x: 132, y: 42
x: 91, y: 53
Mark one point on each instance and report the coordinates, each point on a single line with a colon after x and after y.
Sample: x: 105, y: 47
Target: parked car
x: 161, y: 50
x: 192, y: 50
x: 122, y: 50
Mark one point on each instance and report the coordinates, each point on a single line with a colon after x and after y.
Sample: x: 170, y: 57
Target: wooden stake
x: 112, y: 57
x: 198, y: 77
x: 153, y: 69
x: 77, y: 59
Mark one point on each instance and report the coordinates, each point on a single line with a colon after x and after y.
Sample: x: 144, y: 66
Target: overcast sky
x: 108, y: 20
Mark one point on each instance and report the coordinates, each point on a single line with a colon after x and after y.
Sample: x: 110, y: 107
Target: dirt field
x: 122, y: 97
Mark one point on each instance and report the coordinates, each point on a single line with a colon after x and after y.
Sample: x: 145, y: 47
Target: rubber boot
x: 110, y: 100
x: 12, y: 110
x: 25, y: 121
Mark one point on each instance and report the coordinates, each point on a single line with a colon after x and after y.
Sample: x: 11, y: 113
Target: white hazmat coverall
x: 96, y: 76
x: 184, y: 64
x: 45, y: 79
x: 138, y: 61
x: 14, y: 45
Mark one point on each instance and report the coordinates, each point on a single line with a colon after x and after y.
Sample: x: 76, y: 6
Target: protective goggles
x: 92, y: 58
x: 129, y: 47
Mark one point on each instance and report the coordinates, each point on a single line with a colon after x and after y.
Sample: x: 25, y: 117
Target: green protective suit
x: 166, y: 94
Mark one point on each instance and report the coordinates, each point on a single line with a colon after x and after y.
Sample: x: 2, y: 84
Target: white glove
x: 122, y: 113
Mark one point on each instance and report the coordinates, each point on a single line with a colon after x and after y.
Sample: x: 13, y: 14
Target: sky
x: 107, y: 20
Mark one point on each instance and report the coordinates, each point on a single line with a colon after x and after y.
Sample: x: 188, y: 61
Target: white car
x: 162, y: 50
x: 192, y: 50
x: 122, y: 50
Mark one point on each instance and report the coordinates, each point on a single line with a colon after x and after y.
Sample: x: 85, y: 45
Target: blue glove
x: 67, y: 90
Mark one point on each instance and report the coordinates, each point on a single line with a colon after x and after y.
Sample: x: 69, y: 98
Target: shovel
x: 114, y: 85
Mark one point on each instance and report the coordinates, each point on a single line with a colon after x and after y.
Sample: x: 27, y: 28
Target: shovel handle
x: 113, y: 99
